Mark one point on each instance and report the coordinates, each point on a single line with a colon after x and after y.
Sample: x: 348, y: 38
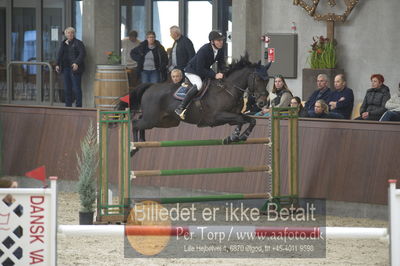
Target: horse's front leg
x: 234, y: 137
x: 249, y: 129
x: 231, y: 119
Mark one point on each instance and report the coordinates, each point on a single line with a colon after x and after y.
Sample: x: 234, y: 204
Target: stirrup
x: 180, y: 113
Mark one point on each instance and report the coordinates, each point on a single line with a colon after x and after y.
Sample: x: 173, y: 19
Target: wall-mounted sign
x: 271, y: 54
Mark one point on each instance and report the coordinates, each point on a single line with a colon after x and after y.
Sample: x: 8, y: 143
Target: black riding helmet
x: 215, y: 35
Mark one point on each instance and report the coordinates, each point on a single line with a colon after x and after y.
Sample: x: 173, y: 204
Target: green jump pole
x: 238, y: 169
x: 204, y: 198
x: 205, y: 142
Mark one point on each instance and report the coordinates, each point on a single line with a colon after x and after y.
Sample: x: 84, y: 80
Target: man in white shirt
x: 127, y: 44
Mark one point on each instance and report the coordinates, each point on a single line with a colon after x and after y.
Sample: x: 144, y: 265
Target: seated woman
x: 296, y: 102
x: 373, y: 106
x: 282, y: 92
x: 321, y: 110
x: 283, y: 95
x: 393, y: 106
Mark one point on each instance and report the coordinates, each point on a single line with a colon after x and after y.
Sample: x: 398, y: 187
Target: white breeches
x: 195, y: 80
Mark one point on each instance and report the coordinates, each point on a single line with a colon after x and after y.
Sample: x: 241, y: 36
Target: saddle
x: 180, y: 93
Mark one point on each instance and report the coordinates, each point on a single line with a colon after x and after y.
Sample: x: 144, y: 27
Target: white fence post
x: 394, y: 223
x: 28, y: 225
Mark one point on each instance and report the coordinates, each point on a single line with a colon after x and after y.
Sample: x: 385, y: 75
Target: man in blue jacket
x: 322, y: 93
x: 199, y: 68
x: 182, y: 50
x: 341, y: 101
x: 70, y: 62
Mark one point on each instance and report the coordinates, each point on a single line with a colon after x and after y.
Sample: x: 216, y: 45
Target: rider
x: 198, y: 68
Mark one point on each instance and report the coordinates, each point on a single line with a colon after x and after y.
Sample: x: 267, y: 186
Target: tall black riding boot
x: 185, y: 102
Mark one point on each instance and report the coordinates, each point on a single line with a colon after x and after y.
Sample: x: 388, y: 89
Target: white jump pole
x: 394, y: 222
x: 91, y: 230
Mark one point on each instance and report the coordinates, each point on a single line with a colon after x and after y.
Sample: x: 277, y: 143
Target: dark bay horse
x: 222, y: 103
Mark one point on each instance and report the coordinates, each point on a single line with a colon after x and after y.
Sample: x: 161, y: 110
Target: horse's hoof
x: 242, y: 138
x: 234, y: 138
x: 227, y: 140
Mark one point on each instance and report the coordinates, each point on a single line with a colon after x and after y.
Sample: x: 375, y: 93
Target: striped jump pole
x: 144, y: 230
x: 120, y: 230
x: 170, y: 200
x: 202, y: 171
x: 282, y: 231
x: 191, y: 143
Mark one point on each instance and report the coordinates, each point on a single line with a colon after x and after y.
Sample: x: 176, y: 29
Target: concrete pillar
x: 99, y: 26
x: 246, y: 28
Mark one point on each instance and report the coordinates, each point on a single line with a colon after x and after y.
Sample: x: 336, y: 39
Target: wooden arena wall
x: 339, y: 160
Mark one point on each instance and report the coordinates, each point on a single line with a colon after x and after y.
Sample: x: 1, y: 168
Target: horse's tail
x: 135, y: 97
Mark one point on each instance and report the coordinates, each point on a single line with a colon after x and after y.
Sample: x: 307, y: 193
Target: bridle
x: 251, y: 84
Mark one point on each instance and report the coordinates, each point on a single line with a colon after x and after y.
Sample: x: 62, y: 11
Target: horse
x: 221, y: 104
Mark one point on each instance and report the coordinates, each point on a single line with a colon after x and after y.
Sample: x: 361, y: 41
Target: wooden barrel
x: 111, y: 82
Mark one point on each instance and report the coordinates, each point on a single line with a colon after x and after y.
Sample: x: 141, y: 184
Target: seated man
x: 393, y: 106
x: 323, y: 92
x: 341, y: 100
x: 176, y: 76
x: 199, y: 68
x: 321, y: 110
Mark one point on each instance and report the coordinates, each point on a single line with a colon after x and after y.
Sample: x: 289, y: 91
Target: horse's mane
x: 239, y: 64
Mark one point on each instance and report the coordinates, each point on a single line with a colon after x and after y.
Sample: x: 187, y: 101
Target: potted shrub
x: 322, y: 60
x: 88, y: 162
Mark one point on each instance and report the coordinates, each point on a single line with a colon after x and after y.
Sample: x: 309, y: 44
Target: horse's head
x: 257, y: 84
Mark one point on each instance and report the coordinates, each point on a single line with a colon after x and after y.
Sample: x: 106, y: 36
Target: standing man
x: 70, y: 63
x: 182, y: 50
x: 127, y: 44
x: 341, y: 100
x: 323, y: 93
x: 199, y: 68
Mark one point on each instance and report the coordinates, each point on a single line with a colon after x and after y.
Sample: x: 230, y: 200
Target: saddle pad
x: 180, y: 93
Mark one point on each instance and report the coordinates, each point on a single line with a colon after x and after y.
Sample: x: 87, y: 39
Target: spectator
x: 341, y: 100
x: 5, y: 183
x: 323, y: 92
x: 70, y: 63
x: 176, y: 76
x: 282, y: 92
x: 264, y: 111
x: 296, y: 102
x: 375, y: 99
x: 251, y: 107
x: 127, y: 45
x: 182, y: 50
x: 321, y: 110
x: 152, y: 59
x: 283, y: 96
x: 393, y: 106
